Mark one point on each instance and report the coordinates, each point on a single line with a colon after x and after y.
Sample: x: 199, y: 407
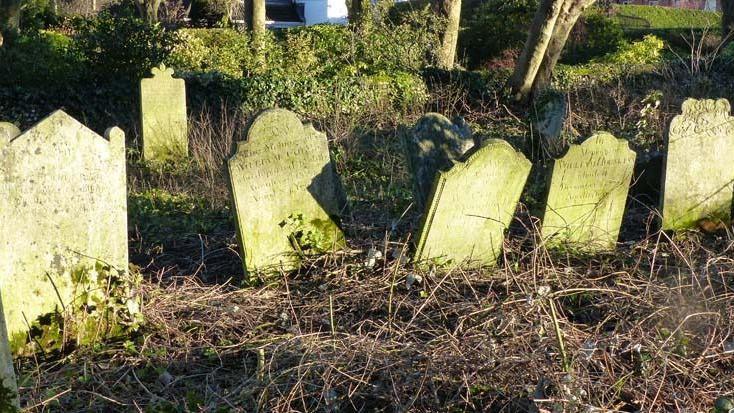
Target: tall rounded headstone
x: 163, y: 117
x: 698, y: 179
x: 286, y: 192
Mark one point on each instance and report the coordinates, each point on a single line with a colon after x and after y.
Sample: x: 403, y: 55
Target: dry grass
x: 648, y: 328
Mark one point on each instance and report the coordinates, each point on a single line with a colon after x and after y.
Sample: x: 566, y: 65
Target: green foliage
x: 317, y: 70
x: 647, y: 51
x: 304, y: 236
x: 37, y: 15
x: 38, y: 60
x: 495, y: 26
x: 160, y: 216
x: 668, y: 23
x: 595, y: 35
x: 106, y: 304
x: 121, y: 47
x: 202, y: 50
x: 654, y: 17
x: 640, y: 55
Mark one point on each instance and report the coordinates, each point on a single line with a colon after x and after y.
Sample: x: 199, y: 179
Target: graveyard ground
x: 649, y: 327
x: 646, y: 328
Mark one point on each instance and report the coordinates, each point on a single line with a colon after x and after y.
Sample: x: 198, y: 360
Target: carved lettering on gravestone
x: 287, y: 195
x: 472, y: 205
x: 163, y: 116
x: 698, y: 179
x: 434, y: 144
x: 588, y: 194
x: 63, y: 211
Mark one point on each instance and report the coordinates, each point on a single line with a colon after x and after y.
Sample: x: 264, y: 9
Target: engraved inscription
x: 698, y: 179
x: 588, y: 193
x: 284, y: 185
x: 64, y: 207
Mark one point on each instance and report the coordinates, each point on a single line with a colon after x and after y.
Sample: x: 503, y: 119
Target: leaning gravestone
x: 472, y: 205
x: 434, y: 144
x: 588, y: 194
x: 698, y: 180
x: 286, y: 193
x: 163, y: 116
x: 63, y: 212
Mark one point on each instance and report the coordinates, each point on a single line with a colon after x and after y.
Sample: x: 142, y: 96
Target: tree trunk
x: 258, y: 18
x: 570, y: 14
x: 532, y: 55
x: 727, y: 19
x: 148, y: 10
x: 9, y: 19
x: 551, y: 27
x: 451, y: 11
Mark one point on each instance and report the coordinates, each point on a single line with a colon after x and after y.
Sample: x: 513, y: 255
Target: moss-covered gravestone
x: 471, y: 206
x: 287, y: 195
x: 588, y: 194
x: 163, y: 117
x: 63, y: 213
x: 434, y: 144
x: 698, y: 179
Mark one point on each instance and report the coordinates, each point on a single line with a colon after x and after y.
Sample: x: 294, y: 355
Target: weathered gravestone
x: 287, y: 195
x: 8, y: 131
x: 588, y: 194
x: 63, y: 216
x: 549, y: 120
x: 9, y: 390
x: 163, y: 116
x: 472, y: 205
x: 698, y: 180
x: 434, y: 144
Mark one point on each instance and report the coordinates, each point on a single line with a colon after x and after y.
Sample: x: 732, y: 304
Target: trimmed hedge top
x: 634, y: 17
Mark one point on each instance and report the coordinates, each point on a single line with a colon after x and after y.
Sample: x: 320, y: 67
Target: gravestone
x: 434, y: 144
x: 698, y: 179
x: 63, y: 212
x: 8, y: 131
x: 549, y: 121
x: 472, y: 205
x: 9, y: 390
x: 588, y: 194
x: 163, y: 116
x: 287, y: 195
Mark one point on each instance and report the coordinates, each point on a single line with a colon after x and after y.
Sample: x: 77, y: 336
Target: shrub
x: 594, y: 35
x: 633, y: 17
x: 43, y: 60
x: 495, y: 26
x: 124, y: 48
x: 637, y: 56
x: 37, y: 15
x: 203, y: 50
